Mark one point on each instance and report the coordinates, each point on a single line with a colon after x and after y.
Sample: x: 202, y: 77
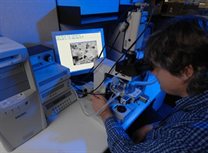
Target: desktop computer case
x: 21, y: 113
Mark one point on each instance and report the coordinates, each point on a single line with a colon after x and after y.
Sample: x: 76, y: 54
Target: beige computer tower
x: 21, y: 114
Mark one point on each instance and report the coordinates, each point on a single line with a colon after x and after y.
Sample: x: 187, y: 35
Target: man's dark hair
x: 183, y: 41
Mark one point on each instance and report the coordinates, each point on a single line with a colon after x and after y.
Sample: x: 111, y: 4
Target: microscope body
x: 133, y: 98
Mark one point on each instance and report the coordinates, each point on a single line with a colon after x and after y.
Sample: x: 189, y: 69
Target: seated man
x: 178, y: 54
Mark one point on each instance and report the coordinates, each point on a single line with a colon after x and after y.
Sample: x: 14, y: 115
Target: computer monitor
x: 77, y: 49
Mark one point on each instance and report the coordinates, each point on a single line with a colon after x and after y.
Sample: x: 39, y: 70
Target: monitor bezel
x: 78, y: 31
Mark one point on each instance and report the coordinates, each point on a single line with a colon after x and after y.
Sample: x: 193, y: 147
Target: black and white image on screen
x: 84, y: 52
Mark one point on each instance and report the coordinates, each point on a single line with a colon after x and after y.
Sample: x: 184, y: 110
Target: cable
x: 124, y: 27
x: 121, y: 29
x: 107, y: 103
x: 93, y: 69
x: 108, y: 72
x: 115, y: 49
x: 121, y: 17
x: 109, y: 51
x: 125, y: 53
x: 98, y: 66
x: 140, y: 34
x: 122, y: 54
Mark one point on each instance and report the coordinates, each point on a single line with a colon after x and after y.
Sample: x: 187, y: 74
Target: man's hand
x: 99, y: 102
x: 140, y: 134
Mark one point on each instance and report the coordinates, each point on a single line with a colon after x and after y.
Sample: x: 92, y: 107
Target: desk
x: 71, y: 132
x: 74, y: 132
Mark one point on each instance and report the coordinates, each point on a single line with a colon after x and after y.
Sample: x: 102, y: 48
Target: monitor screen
x: 77, y: 49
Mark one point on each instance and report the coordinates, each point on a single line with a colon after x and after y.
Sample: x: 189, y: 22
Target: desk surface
x: 74, y: 132
x: 71, y: 132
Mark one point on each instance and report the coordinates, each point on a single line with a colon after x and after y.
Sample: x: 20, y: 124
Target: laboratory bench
x: 75, y: 130
x: 71, y: 132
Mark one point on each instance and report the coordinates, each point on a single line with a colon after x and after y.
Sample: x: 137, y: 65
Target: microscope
x: 128, y: 84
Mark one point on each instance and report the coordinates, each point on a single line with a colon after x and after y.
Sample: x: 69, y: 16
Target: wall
x: 29, y: 22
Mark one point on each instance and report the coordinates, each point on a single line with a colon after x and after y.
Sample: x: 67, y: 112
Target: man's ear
x: 187, y: 72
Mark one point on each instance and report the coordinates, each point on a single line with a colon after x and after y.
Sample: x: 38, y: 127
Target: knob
x: 121, y: 108
x: 48, y: 58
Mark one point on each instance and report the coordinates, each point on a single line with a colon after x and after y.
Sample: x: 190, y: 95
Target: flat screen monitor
x: 77, y: 49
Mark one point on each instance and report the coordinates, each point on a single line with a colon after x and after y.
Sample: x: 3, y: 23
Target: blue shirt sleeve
x: 118, y: 139
x: 185, y: 130
x: 163, y: 140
